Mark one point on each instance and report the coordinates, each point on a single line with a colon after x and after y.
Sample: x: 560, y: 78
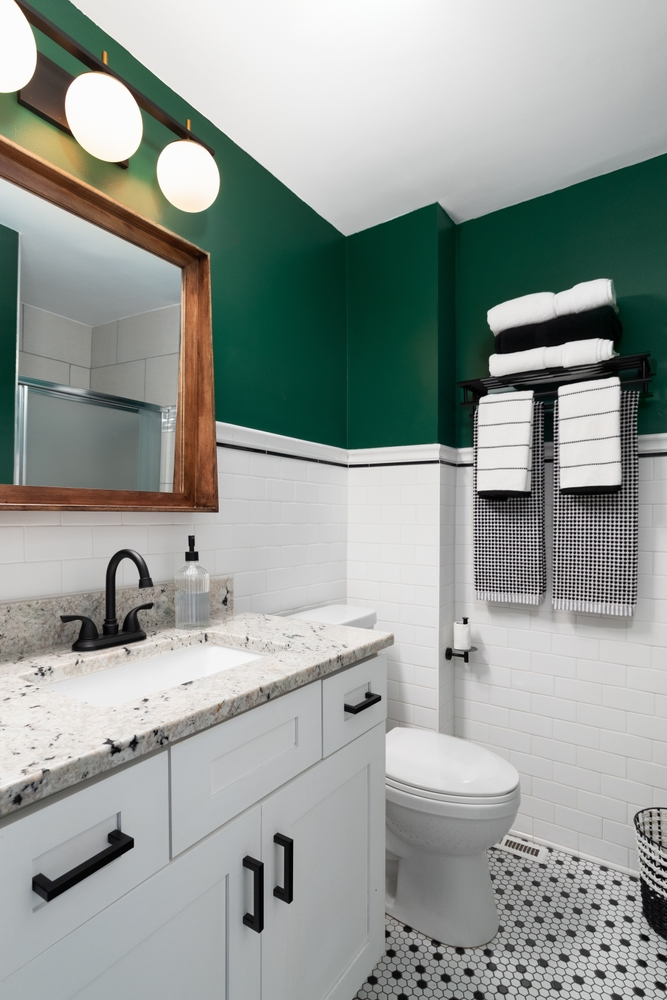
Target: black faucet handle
x: 131, y: 623
x: 88, y: 626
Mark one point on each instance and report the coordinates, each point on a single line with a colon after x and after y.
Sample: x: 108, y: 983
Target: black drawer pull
x: 255, y: 920
x: 48, y: 889
x: 286, y: 892
x: 370, y: 699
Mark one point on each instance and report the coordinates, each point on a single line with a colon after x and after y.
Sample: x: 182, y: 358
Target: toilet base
x: 449, y: 898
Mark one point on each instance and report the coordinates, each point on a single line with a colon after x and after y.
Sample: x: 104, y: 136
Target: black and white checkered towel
x: 508, y: 535
x: 596, y: 537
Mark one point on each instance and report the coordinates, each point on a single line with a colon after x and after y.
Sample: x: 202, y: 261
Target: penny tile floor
x: 568, y: 928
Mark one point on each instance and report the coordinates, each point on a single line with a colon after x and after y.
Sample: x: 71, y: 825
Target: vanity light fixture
x: 103, y: 116
x: 18, y: 51
x: 101, y: 111
x: 188, y: 175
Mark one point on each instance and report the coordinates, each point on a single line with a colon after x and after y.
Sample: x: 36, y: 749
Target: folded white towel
x: 576, y: 352
x: 580, y: 352
x: 535, y: 308
x: 586, y: 295
x: 504, y: 443
x: 589, y: 435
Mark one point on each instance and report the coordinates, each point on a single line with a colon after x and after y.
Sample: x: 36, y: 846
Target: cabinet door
x: 179, y: 934
x: 327, y: 940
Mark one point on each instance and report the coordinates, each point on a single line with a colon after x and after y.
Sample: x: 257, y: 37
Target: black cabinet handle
x: 255, y: 920
x: 48, y: 889
x: 286, y: 892
x: 370, y: 699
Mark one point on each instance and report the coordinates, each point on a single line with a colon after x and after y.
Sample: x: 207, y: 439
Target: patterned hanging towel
x: 596, y: 536
x: 508, y: 535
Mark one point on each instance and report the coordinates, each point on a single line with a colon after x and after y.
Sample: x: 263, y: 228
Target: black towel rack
x: 634, y: 371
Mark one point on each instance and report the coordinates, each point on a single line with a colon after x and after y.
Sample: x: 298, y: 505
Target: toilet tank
x: 340, y: 614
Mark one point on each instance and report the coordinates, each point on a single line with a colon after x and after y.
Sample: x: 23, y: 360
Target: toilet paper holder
x: 455, y: 651
x: 449, y: 652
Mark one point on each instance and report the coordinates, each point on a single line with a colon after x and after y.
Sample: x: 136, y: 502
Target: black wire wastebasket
x: 651, y: 830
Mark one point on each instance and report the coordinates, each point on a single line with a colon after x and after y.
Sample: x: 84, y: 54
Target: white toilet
x: 340, y: 614
x: 448, y: 801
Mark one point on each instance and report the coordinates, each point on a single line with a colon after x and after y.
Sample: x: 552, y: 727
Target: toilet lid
x: 439, y: 763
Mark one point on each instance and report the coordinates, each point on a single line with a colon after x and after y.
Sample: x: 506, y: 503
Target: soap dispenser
x: 193, y: 599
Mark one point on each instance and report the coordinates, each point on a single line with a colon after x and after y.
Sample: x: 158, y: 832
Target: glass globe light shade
x: 104, y: 117
x: 18, y: 52
x: 188, y: 176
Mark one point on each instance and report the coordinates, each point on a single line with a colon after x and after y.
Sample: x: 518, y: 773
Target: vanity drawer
x: 349, y: 687
x: 219, y: 773
x: 60, y: 836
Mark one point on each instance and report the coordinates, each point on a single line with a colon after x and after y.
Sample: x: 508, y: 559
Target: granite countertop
x: 49, y: 742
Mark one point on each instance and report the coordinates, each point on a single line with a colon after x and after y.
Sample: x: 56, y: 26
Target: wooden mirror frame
x: 195, y: 468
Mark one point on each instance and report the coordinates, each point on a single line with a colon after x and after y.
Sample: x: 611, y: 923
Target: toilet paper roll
x: 462, y: 636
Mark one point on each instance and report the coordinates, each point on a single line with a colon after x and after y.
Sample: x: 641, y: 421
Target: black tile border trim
x: 327, y: 461
x: 378, y: 465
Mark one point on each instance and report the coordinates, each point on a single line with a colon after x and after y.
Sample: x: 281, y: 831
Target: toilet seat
x: 465, y: 807
x: 423, y: 793
x: 430, y: 765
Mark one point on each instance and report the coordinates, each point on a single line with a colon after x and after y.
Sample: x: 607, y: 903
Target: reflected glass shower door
x: 78, y: 438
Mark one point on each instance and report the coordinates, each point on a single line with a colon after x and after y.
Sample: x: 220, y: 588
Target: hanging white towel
x: 535, y: 308
x: 586, y: 295
x: 504, y: 444
x: 576, y: 352
x: 589, y: 436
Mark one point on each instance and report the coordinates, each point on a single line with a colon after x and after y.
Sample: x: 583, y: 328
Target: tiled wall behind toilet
x: 394, y: 527
x: 577, y: 702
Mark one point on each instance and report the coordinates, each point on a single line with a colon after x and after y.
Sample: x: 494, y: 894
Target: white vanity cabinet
x: 176, y: 936
x: 330, y: 936
x: 274, y: 885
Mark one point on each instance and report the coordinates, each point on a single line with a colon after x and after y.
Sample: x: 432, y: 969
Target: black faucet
x: 89, y: 638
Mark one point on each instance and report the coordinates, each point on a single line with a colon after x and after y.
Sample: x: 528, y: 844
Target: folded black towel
x: 600, y: 323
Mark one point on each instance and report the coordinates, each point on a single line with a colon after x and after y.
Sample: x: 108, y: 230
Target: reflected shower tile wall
x: 53, y: 348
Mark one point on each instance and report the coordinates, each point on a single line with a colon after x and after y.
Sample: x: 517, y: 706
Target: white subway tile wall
x: 446, y: 684
x: 393, y: 555
x: 576, y: 702
x: 281, y: 531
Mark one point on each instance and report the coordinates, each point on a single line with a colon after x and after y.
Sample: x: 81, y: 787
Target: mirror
x: 98, y: 330
x: 105, y: 350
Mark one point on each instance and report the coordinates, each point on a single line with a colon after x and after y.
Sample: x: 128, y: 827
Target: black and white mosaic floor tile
x: 568, y: 928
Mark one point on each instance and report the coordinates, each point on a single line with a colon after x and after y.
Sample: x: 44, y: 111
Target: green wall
x: 400, y: 325
x: 360, y: 342
x: 447, y: 391
x: 9, y: 270
x: 613, y: 226
x: 278, y: 269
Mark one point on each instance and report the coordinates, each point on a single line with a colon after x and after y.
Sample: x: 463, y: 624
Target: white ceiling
x: 368, y: 109
x: 72, y: 268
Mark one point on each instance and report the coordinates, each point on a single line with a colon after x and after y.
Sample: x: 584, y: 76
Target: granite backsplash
x: 26, y: 627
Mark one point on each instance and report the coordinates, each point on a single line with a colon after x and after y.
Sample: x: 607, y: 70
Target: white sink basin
x: 141, y: 678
